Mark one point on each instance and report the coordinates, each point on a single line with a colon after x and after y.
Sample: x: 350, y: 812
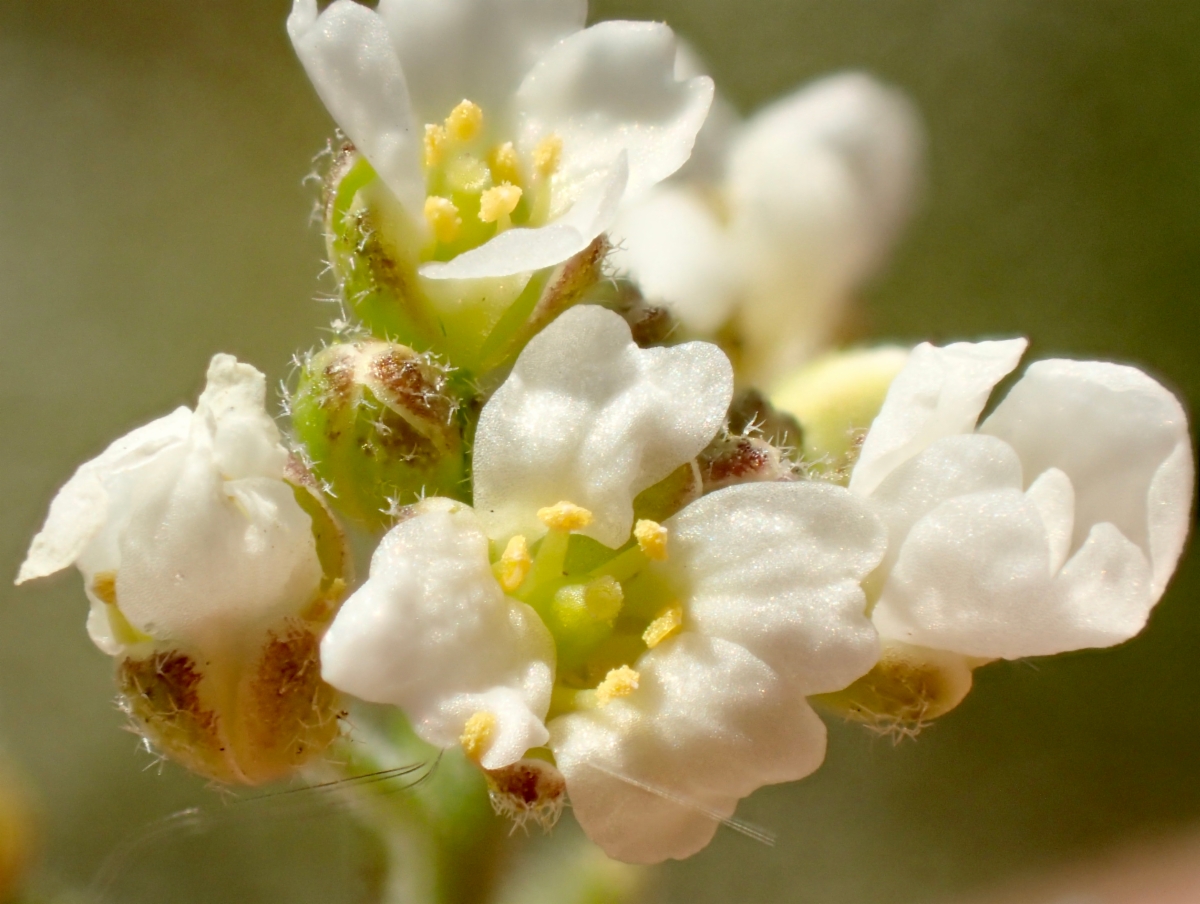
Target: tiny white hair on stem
x: 757, y: 833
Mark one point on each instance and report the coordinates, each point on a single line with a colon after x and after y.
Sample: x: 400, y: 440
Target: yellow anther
x: 669, y: 621
x: 514, y: 564
x: 443, y: 218
x: 498, y: 201
x: 477, y: 734
x: 504, y: 164
x: 104, y: 585
x: 436, y: 140
x: 652, y: 539
x: 565, y: 516
x: 619, y: 682
x: 604, y: 598
x: 465, y: 121
x: 547, y: 155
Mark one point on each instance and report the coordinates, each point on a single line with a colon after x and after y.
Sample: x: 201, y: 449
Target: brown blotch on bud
x: 528, y: 790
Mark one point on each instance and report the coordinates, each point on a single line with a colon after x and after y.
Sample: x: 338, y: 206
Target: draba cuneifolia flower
x: 777, y: 220
x: 212, y: 569
x: 1052, y: 525
x: 657, y: 668
x: 497, y: 140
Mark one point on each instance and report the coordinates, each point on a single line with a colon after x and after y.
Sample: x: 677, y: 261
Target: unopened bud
x: 835, y: 399
x: 380, y: 426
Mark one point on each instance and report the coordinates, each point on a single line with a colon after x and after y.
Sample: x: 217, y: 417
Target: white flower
x: 507, y: 131
x: 1054, y: 525
x: 778, y: 220
x: 203, y: 574
x: 668, y: 679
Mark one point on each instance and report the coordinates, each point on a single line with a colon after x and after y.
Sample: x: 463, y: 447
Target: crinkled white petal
x: 776, y: 568
x: 650, y: 775
x: 474, y: 49
x: 245, y: 438
x: 522, y: 250
x: 674, y: 247
x: 972, y: 577
x: 819, y: 183
x: 1121, y: 438
x: 708, y: 161
x: 432, y: 632
x: 82, y: 507
x: 609, y: 88
x: 1054, y: 497
x: 350, y: 59
x: 940, y: 392
x: 588, y: 417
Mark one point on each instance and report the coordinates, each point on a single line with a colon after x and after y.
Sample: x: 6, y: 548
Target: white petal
x: 972, y: 577
x: 474, y: 49
x: 609, y: 88
x: 81, y: 508
x: 589, y: 418
x: 776, y: 568
x: 940, y: 392
x: 708, y: 161
x: 350, y: 60
x: 1123, y: 440
x: 233, y: 405
x: 1054, y: 498
x: 951, y: 466
x: 1107, y: 591
x: 650, y: 775
x: 522, y: 250
x: 432, y: 632
x: 203, y: 559
x: 819, y: 184
x: 674, y: 247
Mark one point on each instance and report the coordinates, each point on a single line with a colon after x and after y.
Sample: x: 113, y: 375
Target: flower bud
x: 376, y: 251
x: 529, y: 789
x: 381, y: 426
x: 213, y: 568
x: 835, y: 399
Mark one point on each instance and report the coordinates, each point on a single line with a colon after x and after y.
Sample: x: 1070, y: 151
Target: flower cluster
x: 601, y: 575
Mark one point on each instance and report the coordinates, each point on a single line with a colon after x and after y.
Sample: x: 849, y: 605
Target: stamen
x: 618, y: 683
x: 443, y: 218
x: 498, y: 201
x: 436, y: 140
x: 603, y: 598
x: 477, y: 734
x: 652, y: 539
x: 104, y: 585
x: 547, y: 155
x: 465, y: 121
x: 565, y: 516
x: 503, y: 161
x: 514, y: 564
x: 669, y: 621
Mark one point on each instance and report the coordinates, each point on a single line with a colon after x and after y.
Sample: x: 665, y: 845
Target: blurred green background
x: 152, y: 213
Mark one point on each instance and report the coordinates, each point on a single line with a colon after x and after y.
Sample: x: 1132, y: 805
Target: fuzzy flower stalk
x: 653, y: 670
x: 491, y: 144
x: 212, y: 569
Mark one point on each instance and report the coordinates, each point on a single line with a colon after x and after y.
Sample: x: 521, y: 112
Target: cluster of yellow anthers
x: 581, y: 612
x: 464, y: 178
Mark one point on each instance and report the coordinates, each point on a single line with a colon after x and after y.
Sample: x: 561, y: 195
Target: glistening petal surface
x: 776, y: 568
x: 708, y: 724
x: 432, y: 632
x: 588, y: 417
x: 349, y: 57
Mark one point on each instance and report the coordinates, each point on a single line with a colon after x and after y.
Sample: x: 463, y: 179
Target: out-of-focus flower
x: 664, y: 665
x: 506, y: 135
x: 764, y: 237
x: 211, y: 568
x: 1053, y: 525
